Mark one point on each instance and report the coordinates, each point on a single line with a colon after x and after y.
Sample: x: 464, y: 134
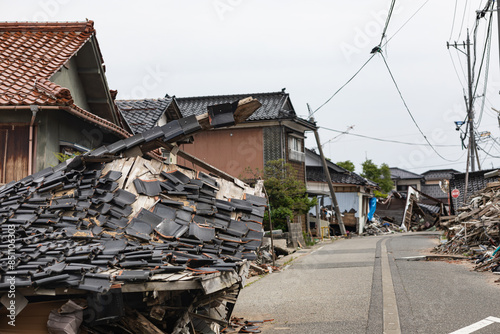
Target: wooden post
x: 270, y: 225
x: 330, y: 184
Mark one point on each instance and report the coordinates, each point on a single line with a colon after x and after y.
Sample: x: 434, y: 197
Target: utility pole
x: 329, y: 181
x: 498, y: 20
x: 330, y: 184
x: 471, y: 148
x: 328, y: 177
x: 470, y: 111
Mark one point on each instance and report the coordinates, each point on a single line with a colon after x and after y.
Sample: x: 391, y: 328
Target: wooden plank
x: 124, y: 166
x: 162, y: 286
x: 140, y: 324
x: 204, y: 121
x: 246, y: 107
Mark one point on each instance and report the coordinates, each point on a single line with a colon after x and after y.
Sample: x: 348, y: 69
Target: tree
x: 381, y: 175
x: 287, y: 195
x: 347, y: 165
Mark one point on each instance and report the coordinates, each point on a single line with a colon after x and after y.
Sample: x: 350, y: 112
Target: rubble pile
x: 381, y: 226
x: 76, y: 229
x: 111, y: 242
x: 475, y: 231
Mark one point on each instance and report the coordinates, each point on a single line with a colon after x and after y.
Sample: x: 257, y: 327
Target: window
x: 296, y: 144
x: 402, y: 188
x: 296, y: 149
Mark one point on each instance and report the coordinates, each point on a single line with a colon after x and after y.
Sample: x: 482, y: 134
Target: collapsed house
x: 413, y: 210
x: 353, y: 193
x: 112, y: 242
x: 475, y: 229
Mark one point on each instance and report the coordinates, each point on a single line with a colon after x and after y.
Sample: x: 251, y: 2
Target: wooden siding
x: 14, y: 151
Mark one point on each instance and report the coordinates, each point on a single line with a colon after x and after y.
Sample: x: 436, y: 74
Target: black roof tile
x: 72, y: 239
x: 142, y: 115
x: 275, y: 105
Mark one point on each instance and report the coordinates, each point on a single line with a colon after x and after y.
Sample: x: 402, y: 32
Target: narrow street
x: 349, y: 286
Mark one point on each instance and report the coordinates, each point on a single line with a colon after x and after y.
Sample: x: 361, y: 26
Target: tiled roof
x: 142, y: 115
x: 398, y: 173
x: 439, y: 174
x: 476, y: 182
x: 275, y: 105
x: 434, y: 190
x: 30, y: 53
x: 314, y: 172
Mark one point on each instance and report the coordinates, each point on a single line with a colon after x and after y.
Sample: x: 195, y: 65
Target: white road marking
x: 391, y: 315
x: 477, y: 326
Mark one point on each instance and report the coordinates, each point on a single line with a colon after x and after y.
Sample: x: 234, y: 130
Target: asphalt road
x: 338, y: 288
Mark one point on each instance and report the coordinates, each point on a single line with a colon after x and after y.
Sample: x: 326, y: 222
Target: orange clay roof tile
x: 30, y: 53
x: 35, y: 51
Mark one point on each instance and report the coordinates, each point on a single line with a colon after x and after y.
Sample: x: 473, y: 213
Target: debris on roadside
x: 475, y: 230
x: 381, y: 226
x: 261, y: 269
x: 240, y: 325
x: 412, y: 210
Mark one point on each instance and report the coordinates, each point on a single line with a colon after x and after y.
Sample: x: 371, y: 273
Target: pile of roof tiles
x: 72, y: 225
x: 475, y: 231
x: 67, y: 225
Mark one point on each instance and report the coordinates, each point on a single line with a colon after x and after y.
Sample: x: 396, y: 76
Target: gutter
x: 79, y: 113
x: 34, y: 110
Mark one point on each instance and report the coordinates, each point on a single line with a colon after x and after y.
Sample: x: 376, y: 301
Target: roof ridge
x: 62, y: 95
x: 145, y: 99
x: 77, y: 26
x: 227, y: 95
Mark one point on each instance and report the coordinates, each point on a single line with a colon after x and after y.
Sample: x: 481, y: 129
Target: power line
x: 389, y: 15
x: 492, y: 144
x: 463, y: 18
x: 441, y: 165
x: 371, y: 57
x: 487, y: 153
x: 343, y: 133
x: 456, y: 71
x: 404, y: 24
x: 384, y: 140
x: 338, y: 90
x: 454, y: 15
x: 409, y: 112
x: 486, y: 53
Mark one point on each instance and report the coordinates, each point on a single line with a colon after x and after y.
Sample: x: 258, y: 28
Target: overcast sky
x: 311, y: 48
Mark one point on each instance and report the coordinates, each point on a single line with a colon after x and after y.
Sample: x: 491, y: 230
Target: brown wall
x: 231, y: 150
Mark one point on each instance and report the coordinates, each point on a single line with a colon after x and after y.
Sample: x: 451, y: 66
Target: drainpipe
x: 34, y: 110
